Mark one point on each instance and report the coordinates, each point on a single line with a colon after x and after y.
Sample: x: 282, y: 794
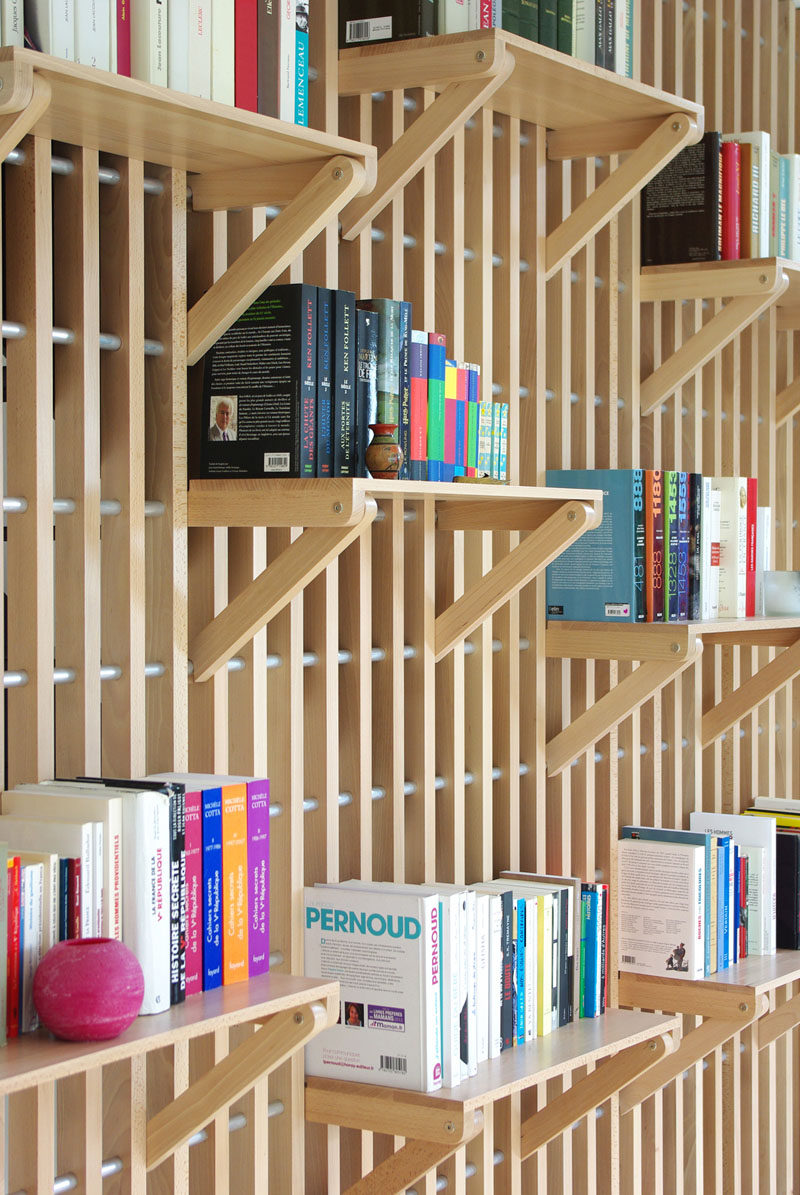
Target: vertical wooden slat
x: 29, y: 448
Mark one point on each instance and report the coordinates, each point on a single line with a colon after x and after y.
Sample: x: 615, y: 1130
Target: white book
x: 713, y: 567
x: 112, y: 36
x: 200, y: 34
x: 453, y: 16
x: 222, y: 52
x: 660, y: 908
x: 72, y: 839
x: 583, y: 30
x: 382, y: 947
x: 755, y: 895
x: 495, y: 968
x: 531, y: 955
x: 12, y: 22
x: 732, y: 546
x: 150, y: 42
x: 763, y: 552
x: 746, y: 832
x: 146, y: 891
x: 49, y: 865
x: 793, y: 208
x: 75, y: 800
x: 178, y: 41
x: 705, y: 549
x: 482, y: 903
x: 51, y: 24
x: 30, y: 933
x: 288, y: 36
x: 778, y: 804
x: 93, y: 33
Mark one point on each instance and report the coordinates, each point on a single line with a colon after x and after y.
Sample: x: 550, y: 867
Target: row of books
x: 293, y: 388
x: 175, y: 866
x: 672, y: 546
x: 437, y: 979
x: 234, y: 51
x: 730, y: 196
x: 693, y: 902
x: 597, y: 31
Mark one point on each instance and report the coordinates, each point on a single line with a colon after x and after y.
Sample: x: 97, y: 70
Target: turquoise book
x: 595, y: 579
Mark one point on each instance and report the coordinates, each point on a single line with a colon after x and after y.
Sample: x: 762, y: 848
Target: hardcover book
x: 755, y: 193
x: 732, y: 546
x: 260, y: 57
x: 680, y: 207
x: 388, y: 311
x: 731, y: 200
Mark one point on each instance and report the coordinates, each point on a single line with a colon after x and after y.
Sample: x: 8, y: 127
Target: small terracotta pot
x: 384, y: 455
x: 88, y: 989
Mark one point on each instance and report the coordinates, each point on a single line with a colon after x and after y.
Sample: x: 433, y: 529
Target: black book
x: 259, y: 396
x: 610, y: 41
x: 508, y: 1002
x: 404, y: 427
x: 369, y: 21
x: 787, y: 889
x: 564, y: 961
x: 680, y: 207
x: 324, y: 371
x: 599, y: 33
x: 268, y: 65
x: 343, y: 384
x: 366, y: 383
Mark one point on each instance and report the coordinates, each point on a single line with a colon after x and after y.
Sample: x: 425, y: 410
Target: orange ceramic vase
x: 384, y: 455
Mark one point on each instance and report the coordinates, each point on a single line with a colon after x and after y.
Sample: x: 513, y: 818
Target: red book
x: 123, y: 64
x: 731, y: 200
x: 246, y: 54
x: 750, y: 560
x: 12, y: 958
x: 654, y: 544
x: 486, y: 14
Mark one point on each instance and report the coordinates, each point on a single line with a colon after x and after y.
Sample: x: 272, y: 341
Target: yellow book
x: 234, y: 883
x: 790, y: 821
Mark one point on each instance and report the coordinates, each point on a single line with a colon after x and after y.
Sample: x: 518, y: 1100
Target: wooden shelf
x: 665, y: 649
x: 588, y: 111
x: 436, y: 1124
x: 336, y: 511
x: 750, y: 287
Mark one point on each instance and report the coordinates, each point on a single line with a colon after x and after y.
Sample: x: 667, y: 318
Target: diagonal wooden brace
x: 281, y: 581
x: 775, y: 1024
x: 618, y: 189
x: 16, y: 125
x: 741, y: 701
x: 413, y: 1160
x: 701, y: 347
x: 787, y: 403
x: 590, y: 1092
x: 614, y: 707
x: 280, y: 1037
x: 319, y: 202
x: 694, y: 1046
x: 423, y: 140
x: 509, y: 575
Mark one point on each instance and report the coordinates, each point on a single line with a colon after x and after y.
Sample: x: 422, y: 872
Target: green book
x: 388, y: 407
x: 548, y: 24
x: 564, y: 30
x: 511, y: 21
x: 528, y: 19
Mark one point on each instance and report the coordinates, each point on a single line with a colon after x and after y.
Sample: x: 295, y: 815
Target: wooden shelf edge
x: 661, y: 641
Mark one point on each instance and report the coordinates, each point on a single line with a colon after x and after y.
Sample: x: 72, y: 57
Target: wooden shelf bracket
x: 283, y: 240
x: 658, y: 148
x: 751, y: 693
x: 775, y: 1024
x: 429, y: 132
x: 787, y: 403
x: 750, y: 288
x: 514, y: 571
x: 272, y: 1044
x: 26, y: 97
x: 615, y: 706
x: 271, y: 591
x: 396, y: 1173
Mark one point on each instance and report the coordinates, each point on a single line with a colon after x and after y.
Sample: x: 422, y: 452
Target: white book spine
x: 150, y: 42
x: 758, y: 900
x: 430, y: 998
x: 222, y: 51
x: 732, y: 546
x: 112, y: 36
x: 31, y: 935
x: 556, y: 962
x: 12, y: 24
x: 145, y: 906
x: 179, y: 23
x: 713, y: 569
x: 531, y: 945
x: 793, y: 209
x: 495, y: 975
x: 472, y: 984
x: 52, y: 25
x: 473, y: 14
x: 200, y: 49
x: 545, y: 948
x: 763, y: 552
x: 705, y: 550
x: 451, y: 970
x: 453, y: 16
x: 482, y: 956
x: 288, y: 32
x: 583, y: 32
x: 93, y: 34
x: 98, y: 872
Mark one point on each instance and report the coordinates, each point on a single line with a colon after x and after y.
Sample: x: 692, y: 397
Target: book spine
x: 437, y: 353
x: 603, y: 947
x: 748, y: 202
x: 482, y: 977
x: 502, y: 464
x: 431, y: 997
x: 212, y: 889
x: 683, y: 546
x: 783, y: 204
x: 450, y: 403
x: 31, y: 943
x: 146, y: 900
x: 564, y: 960
x: 696, y: 545
x: 13, y: 944
x: 123, y: 27
x: 63, y: 900
x: 506, y: 1008
x: 418, y: 439
x: 472, y: 981
x: 564, y: 20
x: 223, y: 51
x: 531, y: 957
x: 528, y: 19
x: 194, y: 893
x: 287, y: 44
x: 404, y: 376
x: 234, y: 883
x: 763, y: 553
x: 714, y: 553
x: 583, y: 30
x: 88, y: 882
x: 177, y: 837
x: 548, y: 23
x: 13, y: 30
x: 75, y: 897
x: 258, y: 872
x: 731, y: 200
x: 671, y: 545
x: 308, y: 377
x: 545, y: 971
x: 246, y: 51
x: 264, y: 91
x: 150, y: 42
x: 750, y: 549
x: 178, y: 22
x: 460, y: 455
x: 495, y: 974
x: 366, y: 383
x: 345, y: 446
x: 654, y: 541
x: 199, y: 46
x: 599, y: 34
x: 640, y: 604
x: 324, y: 464
x: 510, y: 16
x: 92, y: 34
x: 520, y: 964
x: 301, y: 62
x: 451, y: 955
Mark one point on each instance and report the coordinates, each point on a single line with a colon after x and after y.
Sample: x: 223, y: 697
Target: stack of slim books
x: 437, y: 979
x: 175, y: 866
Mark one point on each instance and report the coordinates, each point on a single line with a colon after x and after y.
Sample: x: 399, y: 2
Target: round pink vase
x: 88, y: 989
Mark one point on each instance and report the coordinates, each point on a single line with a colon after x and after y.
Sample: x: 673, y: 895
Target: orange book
x: 234, y: 883
x: 654, y: 544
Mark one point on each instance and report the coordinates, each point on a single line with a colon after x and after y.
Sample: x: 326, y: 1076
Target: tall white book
x: 49, y: 865
x: 288, y: 39
x: 179, y: 21
x: 756, y: 238
x: 732, y: 546
x: 713, y: 549
x: 454, y: 16
x: 763, y: 552
x: 70, y: 839
x: 746, y: 832
x: 11, y: 21
x: 150, y: 42
x: 51, y: 24
x: 93, y: 33
x: 146, y: 891
x: 222, y: 52
x: 583, y: 30
x: 661, y: 908
x: 792, y: 247
x: 200, y: 34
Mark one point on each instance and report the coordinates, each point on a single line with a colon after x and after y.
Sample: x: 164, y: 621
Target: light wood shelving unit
x: 489, y: 181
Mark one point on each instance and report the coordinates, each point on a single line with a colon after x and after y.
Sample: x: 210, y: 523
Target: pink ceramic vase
x: 88, y: 989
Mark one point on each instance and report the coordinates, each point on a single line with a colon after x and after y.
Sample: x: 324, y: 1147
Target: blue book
x: 590, y: 955
x: 324, y: 365
x: 212, y: 888
x: 683, y: 547
x: 522, y: 939
x: 639, y: 539
x: 692, y: 838
x: 594, y: 579
x: 63, y: 899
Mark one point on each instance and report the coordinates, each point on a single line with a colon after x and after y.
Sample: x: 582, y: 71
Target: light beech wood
x: 411, y: 1162
x: 787, y: 403
x: 265, y: 597
x: 619, y: 641
x: 714, y: 280
x: 773, y: 1025
x: 219, y: 190
x: 511, y: 573
x: 600, y: 140
x: 14, y: 127
x: 280, y: 244
x: 614, y: 192
x: 750, y: 694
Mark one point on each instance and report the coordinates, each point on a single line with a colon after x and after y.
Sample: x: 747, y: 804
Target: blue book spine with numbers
x: 212, y: 888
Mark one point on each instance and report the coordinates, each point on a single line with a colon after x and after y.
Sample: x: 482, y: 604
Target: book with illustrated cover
x: 366, y: 383
x: 660, y: 908
x: 388, y: 311
x: 383, y: 948
x: 681, y: 207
